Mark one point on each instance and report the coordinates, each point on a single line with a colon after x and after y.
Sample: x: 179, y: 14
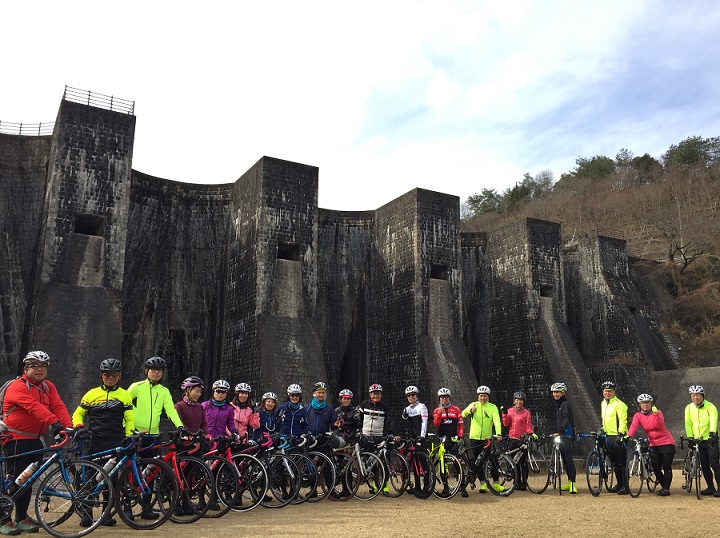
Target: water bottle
x: 148, y: 469
x: 27, y: 473
x: 110, y: 465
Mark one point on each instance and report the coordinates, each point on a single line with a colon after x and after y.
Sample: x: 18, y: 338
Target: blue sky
x: 383, y: 97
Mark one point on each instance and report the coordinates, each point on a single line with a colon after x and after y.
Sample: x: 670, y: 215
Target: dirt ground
x: 521, y: 514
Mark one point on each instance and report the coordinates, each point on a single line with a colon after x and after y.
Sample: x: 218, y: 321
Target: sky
x: 383, y: 97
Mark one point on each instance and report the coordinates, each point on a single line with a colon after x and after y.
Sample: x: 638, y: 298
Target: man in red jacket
x: 32, y: 407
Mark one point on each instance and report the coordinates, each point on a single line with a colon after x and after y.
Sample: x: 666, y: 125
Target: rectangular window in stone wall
x: 441, y: 272
x: 287, y: 251
x: 89, y: 225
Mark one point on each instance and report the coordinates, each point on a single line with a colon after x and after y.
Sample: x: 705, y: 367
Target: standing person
x: 565, y: 429
x: 416, y: 413
x: 267, y: 416
x: 448, y: 423
x: 320, y: 417
x: 701, y: 424
x: 484, y: 419
x: 614, y: 412
x: 376, y: 421
x: 292, y: 413
x: 189, y: 409
x: 32, y: 407
x: 519, y: 421
x: 107, y: 411
x: 349, y: 420
x: 246, y: 419
x: 150, y: 398
x: 219, y: 413
x: 662, y: 443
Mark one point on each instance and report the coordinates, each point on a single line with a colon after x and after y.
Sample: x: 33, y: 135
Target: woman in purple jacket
x: 219, y: 412
x: 189, y: 409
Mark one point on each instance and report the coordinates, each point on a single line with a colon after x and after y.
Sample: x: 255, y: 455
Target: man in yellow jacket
x: 701, y: 424
x: 614, y: 415
x: 484, y: 418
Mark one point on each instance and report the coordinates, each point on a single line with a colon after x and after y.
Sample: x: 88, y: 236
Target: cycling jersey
x: 267, y: 422
x: 349, y: 420
x: 192, y: 415
x: 483, y: 420
x: 31, y: 408
x: 320, y: 420
x: 448, y: 422
x: 519, y: 422
x: 701, y: 421
x: 654, y: 425
x: 149, y: 401
x: 564, y: 422
x: 376, y: 421
x: 246, y: 421
x: 292, y: 421
x: 109, y: 414
x: 614, y: 416
x: 219, y: 418
x: 417, y: 415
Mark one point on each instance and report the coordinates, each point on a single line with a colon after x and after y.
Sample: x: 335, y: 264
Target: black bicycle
x: 598, y: 469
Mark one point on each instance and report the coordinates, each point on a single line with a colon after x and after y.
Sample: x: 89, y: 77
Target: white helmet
x: 269, y: 396
x: 345, y: 393
x: 243, y: 387
x: 444, y: 392
x: 294, y: 389
x: 483, y: 389
x: 558, y: 387
x: 411, y: 389
x: 644, y: 398
x: 696, y: 389
x: 221, y: 384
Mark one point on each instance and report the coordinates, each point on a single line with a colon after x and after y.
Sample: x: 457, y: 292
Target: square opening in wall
x: 287, y: 251
x: 441, y: 272
x: 546, y: 291
x: 89, y: 225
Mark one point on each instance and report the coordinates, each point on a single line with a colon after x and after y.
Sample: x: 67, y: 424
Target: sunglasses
x: 221, y: 391
x: 444, y: 396
x: 37, y: 366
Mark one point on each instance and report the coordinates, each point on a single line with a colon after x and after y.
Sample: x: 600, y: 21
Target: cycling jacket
x: 417, y: 415
x: 246, y: 421
x: 701, y: 420
x: 107, y: 413
x: 320, y: 421
x: 483, y: 420
x: 519, y: 422
x: 614, y: 414
x: 149, y: 401
x: 219, y: 418
x: 376, y: 418
x: 292, y: 421
x: 654, y: 425
x: 448, y: 422
x: 32, y: 408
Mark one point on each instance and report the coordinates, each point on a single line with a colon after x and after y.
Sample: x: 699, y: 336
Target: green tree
x: 694, y: 151
x: 485, y: 201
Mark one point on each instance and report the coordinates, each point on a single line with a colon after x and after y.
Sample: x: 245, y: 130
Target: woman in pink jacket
x: 662, y: 443
x: 246, y: 420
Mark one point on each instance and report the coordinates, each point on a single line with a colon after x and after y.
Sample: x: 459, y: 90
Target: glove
x: 534, y: 436
x: 621, y: 439
x: 654, y: 409
x: 503, y: 410
x: 455, y: 439
x: 55, y: 429
x: 691, y: 443
x: 404, y: 415
x: 713, y: 438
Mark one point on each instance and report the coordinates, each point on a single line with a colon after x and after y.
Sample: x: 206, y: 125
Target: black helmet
x: 155, y: 362
x: 608, y: 385
x: 111, y: 365
x: 192, y: 381
x: 320, y: 385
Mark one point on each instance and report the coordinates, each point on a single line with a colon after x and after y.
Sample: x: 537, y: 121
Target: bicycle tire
x: 506, y: 472
x: 197, y: 491
x: 538, y: 477
x: 398, y: 474
x: 370, y: 478
x: 652, y: 481
x: 449, y: 476
x: 227, y: 485
x: 696, y: 474
x: 326, y: 476
x: 164, y: 492
x: 634, y: 476
x: 308, y: 478
x: 253, y: 482
x: 594, y: 472
x: 284, y: 481
x: 608, y: 474
x: 347, y: 467
x: 61, y: 506
x: 422, y: 475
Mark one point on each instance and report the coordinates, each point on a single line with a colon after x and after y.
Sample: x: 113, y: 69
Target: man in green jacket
x: 150, y: 398
x: 614, y: 415
x: 484, y: 418
x: 701, y: 424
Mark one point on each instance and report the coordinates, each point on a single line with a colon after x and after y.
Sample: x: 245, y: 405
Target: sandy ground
x: 521, y: 514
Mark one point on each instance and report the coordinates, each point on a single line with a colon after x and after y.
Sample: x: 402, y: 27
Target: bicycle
x: 448, y: 468
x: 367, y: 479
x: 556, y: 467
x: 422, y: 472
x: 692, y: 470
x: 639, y: 469
x: 498, y: 468
x: 397, y: 470
x: 66, y: 488
x: 538, y: 470
x: 324, y: 465
x: 598, y: 470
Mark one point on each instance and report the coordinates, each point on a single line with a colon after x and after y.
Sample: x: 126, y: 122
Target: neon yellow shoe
x: 483, y: 488
x: 498, y: 488
x: 568, y: 486
x: 386, y: 489
x: 573, y: 489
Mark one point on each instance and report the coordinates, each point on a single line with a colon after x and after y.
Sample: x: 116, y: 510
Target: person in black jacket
x: 566, y: 432
x: 349, y: 419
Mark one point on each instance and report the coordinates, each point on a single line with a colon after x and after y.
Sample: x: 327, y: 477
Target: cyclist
x: 267, y: 416
x: 189, y: 409
x: 292, y: 414
x: 448, y: 422
x: 566, y: 430
x: 485, y: 418
x: 613, y: 413
x: 108, y: 412
x: 662, y: 443
x: 32, y: 407
x: 701, y: 424
x: 246, y: 420
x: 320, y: 417
x: 376, y: 420
x: 519, y: 420
x: 150, y: 398
x: 219, y: 413
x: 416, y: 413
x: 348, y: 421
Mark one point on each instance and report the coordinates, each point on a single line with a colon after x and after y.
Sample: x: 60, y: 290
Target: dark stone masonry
x: 252, y: 281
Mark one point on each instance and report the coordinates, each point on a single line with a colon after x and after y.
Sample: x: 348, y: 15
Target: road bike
x: 367, y: 479
x: 692, y: 470
x: 499, y: 470
x: 538, y: 471
x: 448, y: 468
x: 422, y: 472
x: 639, y: 469
x: 598, y: 469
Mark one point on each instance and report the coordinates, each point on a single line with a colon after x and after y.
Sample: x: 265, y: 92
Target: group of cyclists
x: 32, y: 408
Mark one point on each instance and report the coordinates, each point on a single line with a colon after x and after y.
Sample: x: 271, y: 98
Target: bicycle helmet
x: 696, y: 389
x: 243, y: 387
x: 444, y: 392
x: 35, y: 357
x: 192, y: 381
x: 412, y: 389
x: 483, y: 389
x: 270, y: 396
x: 294, y: 389
x: 558, y: 387
x: 155, y: 362
x: 519, y: 395
x: 375, y: 387
x: 345, y: 393
x: 111, y: 365
x: 320, y: 385
x: 608, y: 385
x: 221, y: 384
x: 644, y: 398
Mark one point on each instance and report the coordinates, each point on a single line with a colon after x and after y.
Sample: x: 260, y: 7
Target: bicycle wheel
x: 253, y: 482
x: 147, y: 497
x: 197, y: 490
x: 73, y: 498
x: 594, y: 472
x: 227, y: 485
x: 448, y: 476
x: 308, y: 478
x: 608, y: 474
x: 398, y: 474
x: 326, y: 476
x: 370, y: 480
x: 634, y: 474
x: 506, y: 472
x: 696, y: 474
x: 538, y: 476
x: 687, y: 473
x: 652, y: 481
x: 422, y: 475
x: 345, y: 487
x: 284, y: 481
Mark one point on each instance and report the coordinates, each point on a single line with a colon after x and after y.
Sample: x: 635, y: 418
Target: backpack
x: 3, y: 390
